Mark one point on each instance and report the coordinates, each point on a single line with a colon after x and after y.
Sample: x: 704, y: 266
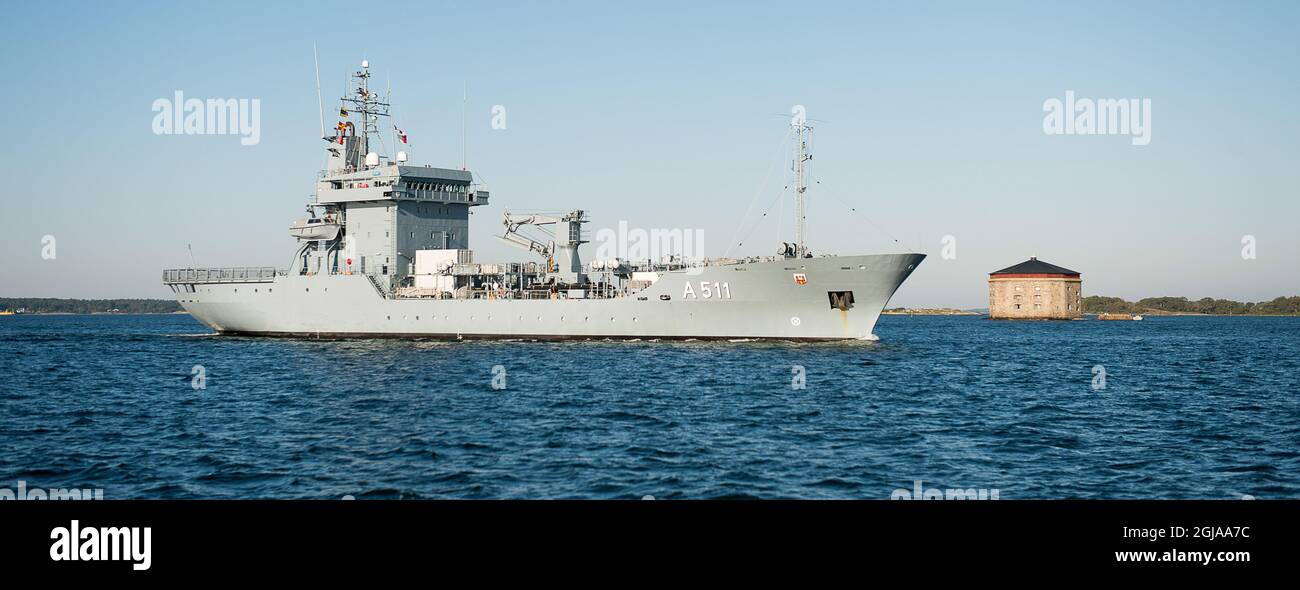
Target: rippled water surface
x: 1193, y: 407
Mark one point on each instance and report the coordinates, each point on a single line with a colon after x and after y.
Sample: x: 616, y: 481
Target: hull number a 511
x: 707, y: 290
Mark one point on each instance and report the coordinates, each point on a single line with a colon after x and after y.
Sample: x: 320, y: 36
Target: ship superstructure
x: 384, y: 251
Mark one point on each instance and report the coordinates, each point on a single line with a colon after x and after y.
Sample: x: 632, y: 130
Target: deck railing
x: 241, y: 274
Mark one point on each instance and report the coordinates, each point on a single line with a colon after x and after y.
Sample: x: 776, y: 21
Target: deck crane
x: 562, y: 259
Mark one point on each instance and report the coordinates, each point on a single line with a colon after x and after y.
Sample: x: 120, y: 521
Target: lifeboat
x: 315, y: 228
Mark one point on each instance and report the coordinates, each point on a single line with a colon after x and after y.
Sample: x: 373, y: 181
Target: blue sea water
x: 1192, y: 407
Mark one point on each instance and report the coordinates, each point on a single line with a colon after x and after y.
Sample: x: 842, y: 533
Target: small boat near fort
x: 1119, y: 317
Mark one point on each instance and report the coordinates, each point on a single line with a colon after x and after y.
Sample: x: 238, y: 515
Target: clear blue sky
x: 662, y: 114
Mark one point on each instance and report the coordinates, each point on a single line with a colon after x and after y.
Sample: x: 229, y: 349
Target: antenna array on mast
x: 367, y: 103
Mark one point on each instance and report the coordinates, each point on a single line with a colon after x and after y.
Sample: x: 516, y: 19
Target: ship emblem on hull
x: 800, y: 278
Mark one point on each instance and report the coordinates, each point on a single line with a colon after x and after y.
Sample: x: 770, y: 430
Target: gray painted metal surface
x: 754, y: 300
x: 359, y: 282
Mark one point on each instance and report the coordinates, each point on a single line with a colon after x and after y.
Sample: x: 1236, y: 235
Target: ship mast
x: 802, y: 137
x: 370, y: 107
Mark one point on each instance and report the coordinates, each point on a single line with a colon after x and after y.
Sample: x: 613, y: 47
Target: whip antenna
x: 319, y: 103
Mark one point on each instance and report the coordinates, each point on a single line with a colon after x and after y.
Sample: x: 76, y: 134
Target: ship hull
x: 784, y: 299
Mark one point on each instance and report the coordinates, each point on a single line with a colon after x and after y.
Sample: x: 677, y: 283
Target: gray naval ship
x: 384, y: 252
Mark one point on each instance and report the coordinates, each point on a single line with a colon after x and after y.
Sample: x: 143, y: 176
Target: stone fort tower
x: 1035, y: 290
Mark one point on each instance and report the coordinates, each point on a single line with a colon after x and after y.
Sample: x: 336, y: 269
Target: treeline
x: 48, y: 305
x: 1207, y: 305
